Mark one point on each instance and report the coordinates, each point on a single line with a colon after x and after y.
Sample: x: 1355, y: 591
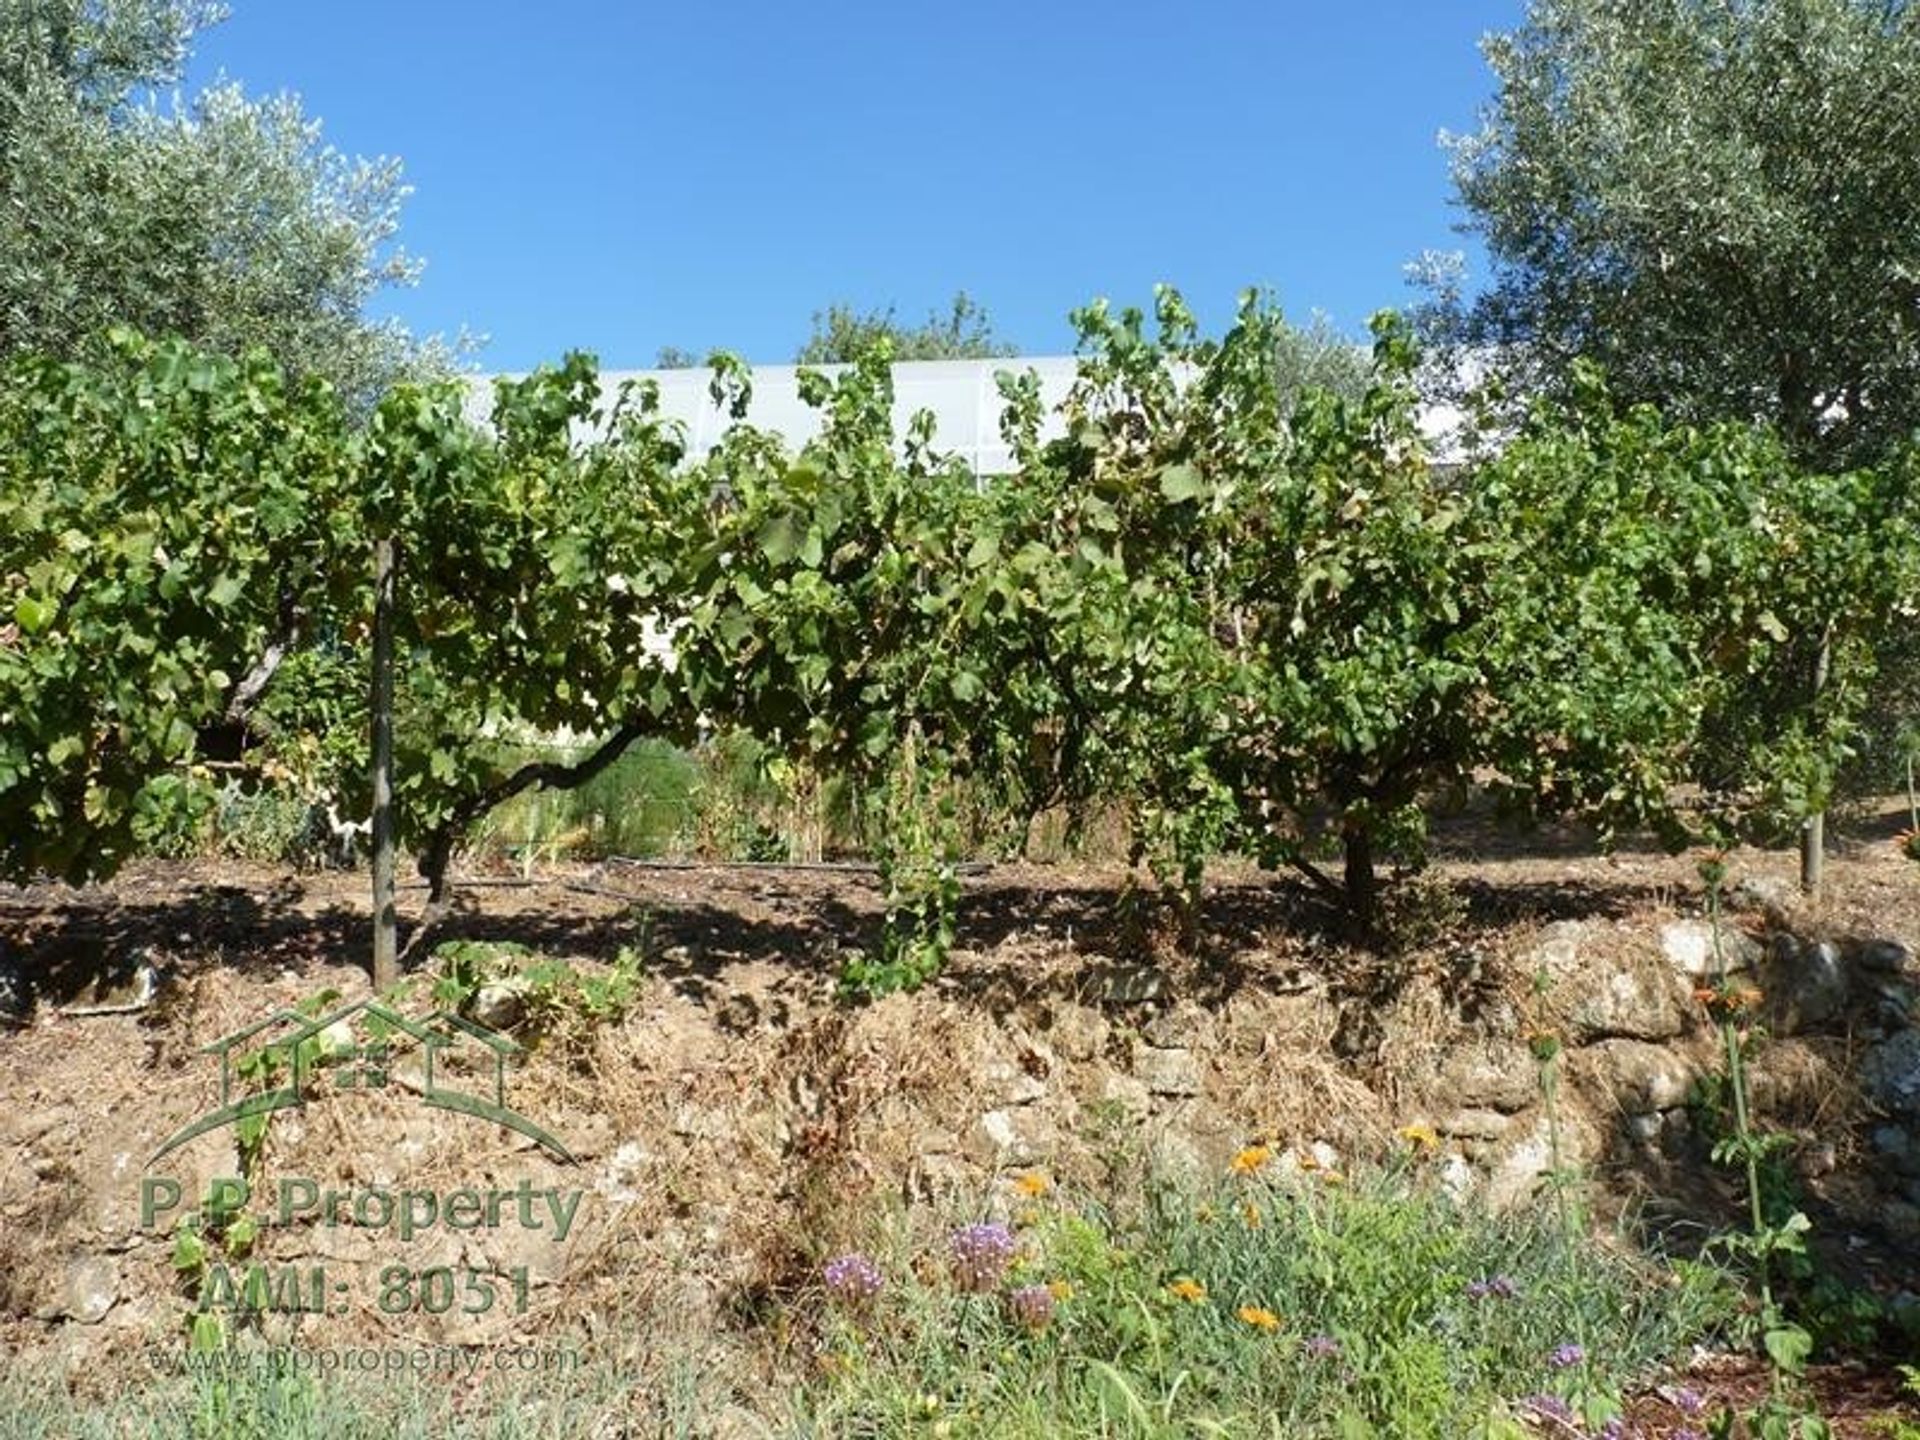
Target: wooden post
x: 1813, y: 834
x: 386, y: 939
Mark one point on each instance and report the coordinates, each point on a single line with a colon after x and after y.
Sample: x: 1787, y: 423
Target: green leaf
x: 33, y: 614
x: 189, y: 1250
x: 1181, y: 482
x: 778, y: 539
x: 1788, y: 1346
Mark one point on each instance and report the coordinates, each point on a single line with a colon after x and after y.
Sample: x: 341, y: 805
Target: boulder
x: 1641, y: 1078
x: 1167, y: 1072
x: 1890, y: 1074
x: 1475, y: 1125
x: 1883, y: 957
x: 1806, y: 985
x: 1642, y: 1001
x: 1491, y: 1075
x: 1688, y: 948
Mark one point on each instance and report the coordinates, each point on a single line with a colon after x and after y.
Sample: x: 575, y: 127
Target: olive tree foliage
x: 1716, y: 200
x: 842, y: 334
x: 223, y: 219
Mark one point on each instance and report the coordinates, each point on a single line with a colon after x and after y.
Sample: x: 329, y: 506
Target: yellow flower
x: 1259, y: 1317
x: 1062, y: 1289
x: 1192, y: 1291
x: 1251, y: 1159
x: 1307, y: 1160
x: 1333, y: 1177
x: 1421, y: 1135
x: 1251, y: 1213
x: 1204, y: 1214
x: 1033, y: 1184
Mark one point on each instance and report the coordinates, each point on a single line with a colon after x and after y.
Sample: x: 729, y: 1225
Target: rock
x: 1167, y: 1072
x: 1557, y: 954
x: 1516, y: 1175
x: 1688, y: 947
x: 1185, y: 1025
x: 92, y: 1288
x: 1883, y: 957
x: 1642, y: 1079
x: 1892, y: 1141
x: 16, y: 992
x: 1806, y: 985
x: 1646, y: 1128
x: 1078, y: 1032
x: 625, y: 1169
x: 1896, y: 1006
x: 1645, y: 1001
x: 1475, y: 1125
x: 1768, y: 893
x: 1890, y: 1074
x: 499, y: 1004
x: 1132, y: 985
x: 1128, y: 1094
x: 1490, y: 1076
x: 1013, y: 1085
x: 1900, y: 1218
x: 1002, y: 1137
x: 1518, y: 1171
x: 698, y: 1122
x: 1173, y: 1155
x: 1457, y: 1178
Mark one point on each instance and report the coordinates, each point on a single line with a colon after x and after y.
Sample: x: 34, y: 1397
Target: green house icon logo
x: 297, y: 1045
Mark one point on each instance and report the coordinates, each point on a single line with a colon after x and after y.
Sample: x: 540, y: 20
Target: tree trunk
x: 386, y: 927
x: 1362, y: 885
x: 1813, y: 833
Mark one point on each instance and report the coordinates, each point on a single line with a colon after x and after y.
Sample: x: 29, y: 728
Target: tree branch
x: 436, y: 859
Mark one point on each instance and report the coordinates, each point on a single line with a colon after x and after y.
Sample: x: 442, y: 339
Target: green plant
x: 1769, y: 1238
x: 919, y: 880
x: 1254, y: 1305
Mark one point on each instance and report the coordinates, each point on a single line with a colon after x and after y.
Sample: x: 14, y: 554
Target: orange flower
x: 1192, y: 1291
x: 1307, y: 1162
x: 1259, y: 1317
x: 1033, y: 1184
x: 1251, y: 1159
x: 1724, y: 1003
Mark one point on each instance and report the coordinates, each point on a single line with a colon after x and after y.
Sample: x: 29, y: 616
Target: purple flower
x: 1032, y: 1306
x: 1565, y: 1357
x: 1322, y: 1347
x: 1616, y: 1429
x: 1549, y: 1407
x: 981, y: 1254
x: 1498, y: 1287
x: 1684, y: 1399
x: 852, y: 1278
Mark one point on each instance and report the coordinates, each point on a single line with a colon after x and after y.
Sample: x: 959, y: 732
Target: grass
x: 1263, y: 1305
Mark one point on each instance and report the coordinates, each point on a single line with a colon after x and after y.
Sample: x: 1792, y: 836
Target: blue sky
x: 618, y: 177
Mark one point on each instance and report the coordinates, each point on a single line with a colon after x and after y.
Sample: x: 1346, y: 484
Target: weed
x: 1787, y: 1345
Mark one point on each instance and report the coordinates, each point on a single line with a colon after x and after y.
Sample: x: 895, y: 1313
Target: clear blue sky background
x: 618, y: 177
